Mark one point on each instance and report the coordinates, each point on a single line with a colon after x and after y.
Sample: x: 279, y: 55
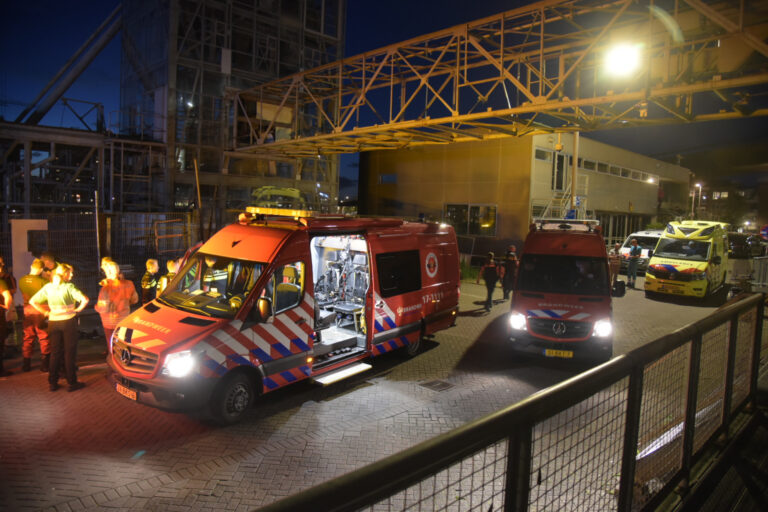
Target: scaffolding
x: 182, y: 61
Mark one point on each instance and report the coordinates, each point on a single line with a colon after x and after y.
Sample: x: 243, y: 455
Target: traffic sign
x: 764, y: 232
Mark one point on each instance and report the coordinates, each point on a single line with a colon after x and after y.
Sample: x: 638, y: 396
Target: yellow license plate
x: 128, y: 393
x: 568, y: 354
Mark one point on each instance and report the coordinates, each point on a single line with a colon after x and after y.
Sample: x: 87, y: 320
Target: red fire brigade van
x: 273, y: 300
x: 561, y: 305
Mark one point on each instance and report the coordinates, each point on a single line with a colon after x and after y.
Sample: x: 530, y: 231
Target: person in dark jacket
x: 509, y: 268
x: 490, y: 274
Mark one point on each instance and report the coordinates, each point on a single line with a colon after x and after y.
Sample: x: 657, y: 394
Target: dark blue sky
x: 37, y: 38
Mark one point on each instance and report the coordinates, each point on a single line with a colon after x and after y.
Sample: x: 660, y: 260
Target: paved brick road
x: 94, y: 449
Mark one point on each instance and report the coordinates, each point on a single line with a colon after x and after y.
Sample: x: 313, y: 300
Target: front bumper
x: 680, y: 288
x: 162, y: 392
x: 590, y: 349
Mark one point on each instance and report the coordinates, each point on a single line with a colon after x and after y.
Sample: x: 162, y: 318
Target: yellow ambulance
x: 690, y: 259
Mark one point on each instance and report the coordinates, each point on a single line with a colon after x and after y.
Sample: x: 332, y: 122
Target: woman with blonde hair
x: 115, y: 299
x: 64, y: 302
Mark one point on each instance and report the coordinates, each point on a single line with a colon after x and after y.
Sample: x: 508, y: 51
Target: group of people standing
x: 504, y: 271
x: 51, y: 305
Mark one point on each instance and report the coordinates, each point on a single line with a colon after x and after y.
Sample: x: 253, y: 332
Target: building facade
x: 490, y: 190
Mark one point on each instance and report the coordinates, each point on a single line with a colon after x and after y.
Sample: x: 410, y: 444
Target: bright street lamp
x: 623, y: 59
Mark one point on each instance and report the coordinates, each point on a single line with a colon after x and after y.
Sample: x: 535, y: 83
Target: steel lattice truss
x: 538, y: 68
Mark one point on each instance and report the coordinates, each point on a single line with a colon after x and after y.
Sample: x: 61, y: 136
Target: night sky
x: 37, y: 38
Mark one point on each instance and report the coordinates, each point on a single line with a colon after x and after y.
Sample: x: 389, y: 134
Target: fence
x: 130, y: 238
x: 621, y: 436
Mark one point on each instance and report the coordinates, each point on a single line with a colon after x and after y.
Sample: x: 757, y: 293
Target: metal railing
x: 621, y: 436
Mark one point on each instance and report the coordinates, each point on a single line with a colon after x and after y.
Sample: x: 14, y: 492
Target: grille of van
x: 134, y: 359
x: 672, y: 276
x: 562, y: 329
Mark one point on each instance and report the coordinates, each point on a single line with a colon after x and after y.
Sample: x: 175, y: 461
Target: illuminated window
x: 388, y: 179
x: 479, y: 220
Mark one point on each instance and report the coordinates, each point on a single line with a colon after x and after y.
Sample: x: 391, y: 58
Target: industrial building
x: 181, y: 62
x: 490, y: 190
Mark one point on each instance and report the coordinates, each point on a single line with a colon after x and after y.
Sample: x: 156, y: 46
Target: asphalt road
x: 94, y: 449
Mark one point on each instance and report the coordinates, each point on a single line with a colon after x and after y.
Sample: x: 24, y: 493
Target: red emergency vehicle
x: 274, y: 300
x: 561, y: 303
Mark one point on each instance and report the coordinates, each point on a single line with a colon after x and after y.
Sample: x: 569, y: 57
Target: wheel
x: 232, y: 398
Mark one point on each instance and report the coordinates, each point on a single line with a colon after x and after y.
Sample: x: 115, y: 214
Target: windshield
x: 695, y: 250
x: 212, y: 285
x: 563, y: 274
x: 645, y: 242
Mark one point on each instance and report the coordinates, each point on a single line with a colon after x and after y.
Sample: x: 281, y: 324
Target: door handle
x: 300, y: 321
x: 380, y: 304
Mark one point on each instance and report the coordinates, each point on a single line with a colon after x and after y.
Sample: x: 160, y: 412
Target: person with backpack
x: 490, y: 274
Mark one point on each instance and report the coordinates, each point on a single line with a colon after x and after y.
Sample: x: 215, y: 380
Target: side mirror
x: 263, y: 309
x: 717, y: 260
x: 650, y: 253
x: 260, y: 313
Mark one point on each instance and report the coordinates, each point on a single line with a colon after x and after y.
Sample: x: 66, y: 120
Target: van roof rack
x: 553, y: 224
x: 262, y: 212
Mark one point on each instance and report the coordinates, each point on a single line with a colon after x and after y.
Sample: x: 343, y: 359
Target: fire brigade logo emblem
x: 558, y: 328
x: 431, y: 265
x: 125, y: 356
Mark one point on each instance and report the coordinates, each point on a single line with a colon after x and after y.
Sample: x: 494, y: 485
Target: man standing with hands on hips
x: 64, y: 301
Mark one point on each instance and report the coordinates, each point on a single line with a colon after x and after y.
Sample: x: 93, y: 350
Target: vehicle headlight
x: 699, y: 276
x: 179, y: 364
x: 517, y: 321
x: 603, y: 328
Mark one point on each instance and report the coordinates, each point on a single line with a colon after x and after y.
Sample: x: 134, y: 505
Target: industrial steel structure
x: 181, y: 60
x: 537, y: 68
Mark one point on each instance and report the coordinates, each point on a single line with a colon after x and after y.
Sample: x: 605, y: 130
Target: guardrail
x: 621, y: 436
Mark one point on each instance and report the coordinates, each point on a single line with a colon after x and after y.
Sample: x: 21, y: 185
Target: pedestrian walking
x: 115, y: 299
x: 509, y: 271
x: 64, y: 302
x: 149, y: 281
x: 635, y: 251
x: 490, y: 274
x: 7, y: 317
x: 33, y: 325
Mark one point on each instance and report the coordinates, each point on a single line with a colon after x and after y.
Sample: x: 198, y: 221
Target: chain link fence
x: 625, y: 436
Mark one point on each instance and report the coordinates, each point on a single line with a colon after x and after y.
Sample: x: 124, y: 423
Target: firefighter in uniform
x: 33, y: 324
x: 490, y: 274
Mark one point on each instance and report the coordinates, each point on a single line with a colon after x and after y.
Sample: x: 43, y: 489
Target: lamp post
x: 698, y: 204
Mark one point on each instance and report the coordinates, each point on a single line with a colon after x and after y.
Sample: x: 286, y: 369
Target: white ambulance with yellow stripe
x: 281, y: 297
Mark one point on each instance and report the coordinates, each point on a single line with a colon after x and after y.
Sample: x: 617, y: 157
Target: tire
x: 232, y: 398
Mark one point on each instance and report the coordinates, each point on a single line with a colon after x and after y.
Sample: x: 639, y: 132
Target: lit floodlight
x: 623, y: 59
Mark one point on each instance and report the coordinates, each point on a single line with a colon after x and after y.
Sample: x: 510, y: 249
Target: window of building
x: 715, y: 195
x: 398, y: 272
x: 457, y: 215
x: 468, y: 219
x: 615, y: 171
x: 388, y: 179
x: 482, y: 220
x: 602, y: 167
x: 590, y: 165
x: 543, y: 154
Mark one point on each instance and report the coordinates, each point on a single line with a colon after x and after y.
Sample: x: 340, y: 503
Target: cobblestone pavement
x: 94, y: 449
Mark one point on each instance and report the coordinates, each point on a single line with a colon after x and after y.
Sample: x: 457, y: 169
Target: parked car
x: 745, y: 245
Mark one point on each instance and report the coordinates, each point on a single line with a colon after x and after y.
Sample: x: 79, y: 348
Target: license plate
x: 128, y: 393
x: 568, y: 354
